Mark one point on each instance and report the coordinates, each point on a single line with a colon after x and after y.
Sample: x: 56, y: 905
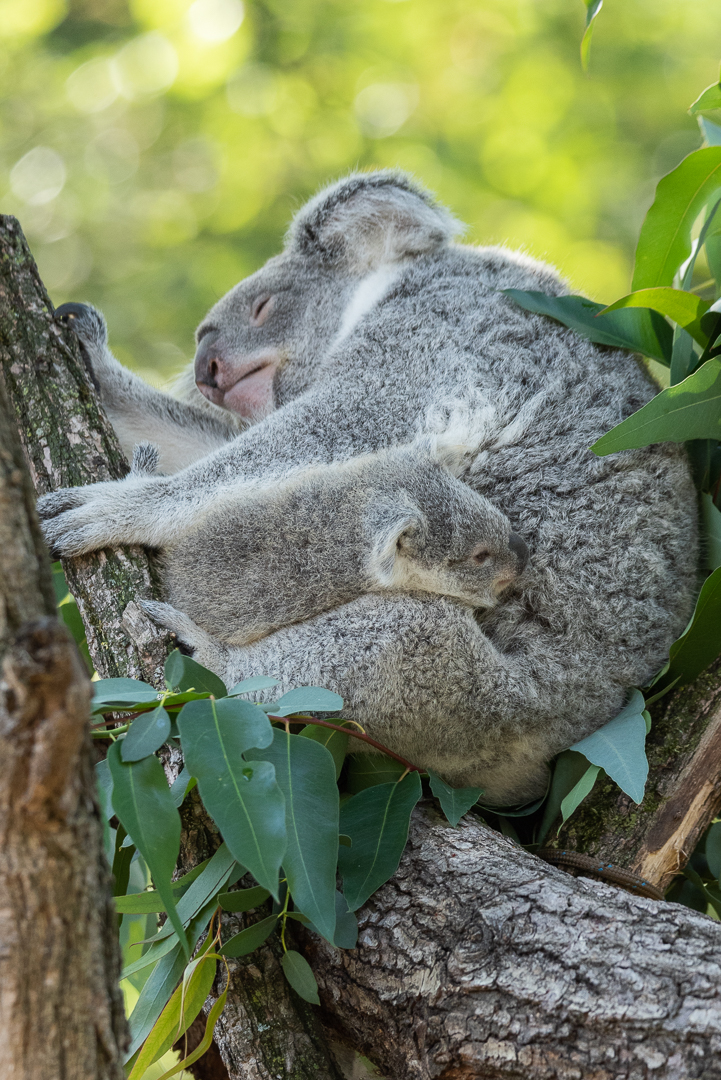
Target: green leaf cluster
x: 268, y: 775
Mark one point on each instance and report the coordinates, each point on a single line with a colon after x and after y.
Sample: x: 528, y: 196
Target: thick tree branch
x: 478, y: 960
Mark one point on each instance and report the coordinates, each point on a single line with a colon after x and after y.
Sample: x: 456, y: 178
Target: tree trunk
x: 68, y: 440
x: 477, y: 960
x: 61, y: 1013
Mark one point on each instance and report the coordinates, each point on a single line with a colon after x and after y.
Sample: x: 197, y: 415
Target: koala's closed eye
x: 260, y: 310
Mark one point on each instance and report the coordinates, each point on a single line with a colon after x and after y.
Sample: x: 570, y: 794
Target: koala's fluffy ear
x: 370, y: 219
x: 395, y: 527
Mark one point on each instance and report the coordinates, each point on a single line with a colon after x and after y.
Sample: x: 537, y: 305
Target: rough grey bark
x: 67, y: 440
x: 61, y: 1012
x: 479, y: 960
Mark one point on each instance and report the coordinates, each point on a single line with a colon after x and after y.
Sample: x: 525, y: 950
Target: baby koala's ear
x: 371, y: 219
x: 397, y: 529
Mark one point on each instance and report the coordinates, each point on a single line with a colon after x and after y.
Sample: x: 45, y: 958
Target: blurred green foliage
x: 154, y: 150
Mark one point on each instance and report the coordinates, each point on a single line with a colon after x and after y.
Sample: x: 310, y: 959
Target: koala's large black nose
x: 520, y: 550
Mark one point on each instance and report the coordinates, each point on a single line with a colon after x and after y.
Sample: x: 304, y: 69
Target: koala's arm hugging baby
x: 398, y: 520
x: 371, y: 328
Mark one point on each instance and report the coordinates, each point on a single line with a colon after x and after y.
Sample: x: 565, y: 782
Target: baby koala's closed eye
x: 398, y: 520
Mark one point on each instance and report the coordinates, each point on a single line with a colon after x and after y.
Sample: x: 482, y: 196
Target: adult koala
x: 371, y: 328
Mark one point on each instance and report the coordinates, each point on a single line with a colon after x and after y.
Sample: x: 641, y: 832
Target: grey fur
x: 413, y: 336
x: 394, y: 521
x: 146, y: 459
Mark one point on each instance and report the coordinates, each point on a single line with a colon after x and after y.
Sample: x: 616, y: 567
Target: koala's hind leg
x: 183, y: 432
x: 206, y: 650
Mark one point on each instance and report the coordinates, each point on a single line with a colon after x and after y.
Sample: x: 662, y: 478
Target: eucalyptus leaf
x: 455, y: 802
x: 183, y: 673
x: 104, y: 782
x: 299, y: 974
x: 700, y: 643
x: 592, y: 9
x: 177, y: 1016
x: 711, y: 539
x: 162, y: 945
x: 346, y: 924
x: 114, y: 694
x: 305, y: 772
x: 253, y: 685
x: 689, y: 410
x: 568, y: 769
x: 665, y: 239
x: 308, y: 699
x: 250, y: 939
x: 146, y: 734
x: 708, y: 101
x: 243, y: 899
x: 242, y: 796
x: 579, y: 792
x: 619, y: 747
x: 143, y: 803
x: 637, y: 329
x: 335, y: 742
x: 710, y: 131
x: 143, y: 903
x: 713, y: 849
x: 684, y: 358
x: 368, y: 770
x: 684, y: 308
x: 180, y: 786
x: 377, y: 821
x: 153, y: 997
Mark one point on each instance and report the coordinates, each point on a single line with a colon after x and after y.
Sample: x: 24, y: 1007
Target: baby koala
x: 394, y: 521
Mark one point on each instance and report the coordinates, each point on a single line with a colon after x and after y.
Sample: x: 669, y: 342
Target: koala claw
x: 206, y: 650
x: 57, y: 502
x: 87, y: 322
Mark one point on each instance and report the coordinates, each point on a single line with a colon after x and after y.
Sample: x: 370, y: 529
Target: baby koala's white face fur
x: 437, y: 535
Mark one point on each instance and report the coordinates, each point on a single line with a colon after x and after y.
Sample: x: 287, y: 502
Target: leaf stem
x: 356, y: 735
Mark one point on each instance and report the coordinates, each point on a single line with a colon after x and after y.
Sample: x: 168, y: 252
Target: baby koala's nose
x: 520, y: 550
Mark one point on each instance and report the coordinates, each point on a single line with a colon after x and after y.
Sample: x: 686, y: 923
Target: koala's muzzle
x: 242, y: 384
x: 520, y: 549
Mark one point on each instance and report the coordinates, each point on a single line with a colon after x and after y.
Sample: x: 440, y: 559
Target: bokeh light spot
x: 39, y: 176
x: 382, y: 108
x: 146, y: 66
x: 252, y: 91
x: 91, y: 87
x: 215, y: 20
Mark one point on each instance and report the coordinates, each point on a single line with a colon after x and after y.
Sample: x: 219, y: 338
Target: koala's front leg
x: 136, y: 510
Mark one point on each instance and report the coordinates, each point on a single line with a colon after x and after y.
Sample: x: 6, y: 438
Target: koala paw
x: 82, y: 519
x: 206, y: 650
x: 86, y: 321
